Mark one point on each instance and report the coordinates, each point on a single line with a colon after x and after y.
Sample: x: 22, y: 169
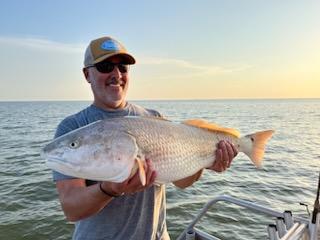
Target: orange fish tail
x: 253, y: 146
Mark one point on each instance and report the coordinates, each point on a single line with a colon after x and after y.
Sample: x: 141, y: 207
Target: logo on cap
x: 110, y: 45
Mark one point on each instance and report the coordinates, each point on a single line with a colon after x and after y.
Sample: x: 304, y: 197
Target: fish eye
x: 74, y: 144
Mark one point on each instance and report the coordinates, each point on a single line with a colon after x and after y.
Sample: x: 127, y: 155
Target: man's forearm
x: 79, y: 201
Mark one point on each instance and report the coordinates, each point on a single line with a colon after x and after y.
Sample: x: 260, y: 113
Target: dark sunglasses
x: 107, y: 67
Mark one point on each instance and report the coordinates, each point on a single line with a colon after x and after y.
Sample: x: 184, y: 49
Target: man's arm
x: 79, y: 201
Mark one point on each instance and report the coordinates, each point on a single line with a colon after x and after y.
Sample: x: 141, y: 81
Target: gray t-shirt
x: 139, y: 216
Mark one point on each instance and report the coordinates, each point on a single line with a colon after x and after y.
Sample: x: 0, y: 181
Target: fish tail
x: 253, y: 145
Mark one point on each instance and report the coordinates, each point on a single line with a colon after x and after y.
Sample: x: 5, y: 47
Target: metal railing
x: 287, y: 227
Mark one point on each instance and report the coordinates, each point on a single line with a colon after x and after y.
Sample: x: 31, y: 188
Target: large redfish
x: 113, y: 149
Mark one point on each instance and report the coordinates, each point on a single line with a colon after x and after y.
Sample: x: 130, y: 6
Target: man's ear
x: 86, y: 74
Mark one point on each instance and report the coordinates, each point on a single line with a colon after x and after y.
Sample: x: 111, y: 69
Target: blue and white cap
x: 103, y: 48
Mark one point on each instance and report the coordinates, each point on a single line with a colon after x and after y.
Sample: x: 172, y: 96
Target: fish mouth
x: 53, y: 163
x: 59, y: 165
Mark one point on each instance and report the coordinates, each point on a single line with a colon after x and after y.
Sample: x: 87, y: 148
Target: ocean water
x: 29, y: 206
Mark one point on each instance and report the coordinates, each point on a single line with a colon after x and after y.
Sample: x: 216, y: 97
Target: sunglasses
x: 107, y: 67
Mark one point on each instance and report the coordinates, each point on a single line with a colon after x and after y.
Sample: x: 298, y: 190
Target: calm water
x: 29, y: 207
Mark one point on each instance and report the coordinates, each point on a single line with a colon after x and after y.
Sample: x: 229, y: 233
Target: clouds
x: 42, y: 44
x: 46, y: 45
x: 179, y: 68
x: 40, y: 69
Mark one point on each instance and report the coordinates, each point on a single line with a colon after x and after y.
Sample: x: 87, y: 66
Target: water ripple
x: 29, y: 203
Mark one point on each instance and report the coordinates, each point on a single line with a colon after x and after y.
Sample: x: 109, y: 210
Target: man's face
x: 109, y: 89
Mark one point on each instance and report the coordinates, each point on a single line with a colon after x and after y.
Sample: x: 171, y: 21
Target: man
x: 124, y: 210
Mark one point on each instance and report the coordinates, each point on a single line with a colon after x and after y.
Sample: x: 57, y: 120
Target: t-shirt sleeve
x: 64, y: 127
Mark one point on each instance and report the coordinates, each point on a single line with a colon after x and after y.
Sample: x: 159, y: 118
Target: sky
x: 199, y: 49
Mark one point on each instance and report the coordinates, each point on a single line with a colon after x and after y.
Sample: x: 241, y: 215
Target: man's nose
x: 116, y: 72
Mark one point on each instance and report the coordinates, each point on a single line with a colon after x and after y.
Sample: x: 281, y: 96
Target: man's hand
x: 133, y: 184
x: 225, y: 153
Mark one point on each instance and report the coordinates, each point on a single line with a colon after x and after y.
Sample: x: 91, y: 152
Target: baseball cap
x: 103, y: 48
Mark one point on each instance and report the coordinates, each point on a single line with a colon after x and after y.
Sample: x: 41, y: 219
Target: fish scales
x: 108, y: 150
x: 177, y: 150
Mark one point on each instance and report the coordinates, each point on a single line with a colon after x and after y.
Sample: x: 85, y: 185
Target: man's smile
x: 115, y: 83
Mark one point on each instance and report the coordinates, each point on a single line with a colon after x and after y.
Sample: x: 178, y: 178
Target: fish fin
x: 134, y: 170
x: 188, y: 181
x: 258, y: 141
x: 142, y: 172
x: 212, y: 127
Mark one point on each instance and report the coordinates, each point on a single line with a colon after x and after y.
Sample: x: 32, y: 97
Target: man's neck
x: 110, y: 107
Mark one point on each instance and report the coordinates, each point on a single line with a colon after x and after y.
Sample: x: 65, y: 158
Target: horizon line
x: 169, y: 99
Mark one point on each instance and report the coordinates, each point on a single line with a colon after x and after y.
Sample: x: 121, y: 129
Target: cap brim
x: 126, y: 58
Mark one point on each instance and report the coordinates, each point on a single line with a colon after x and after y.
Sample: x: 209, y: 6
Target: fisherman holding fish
x: 130, y: 209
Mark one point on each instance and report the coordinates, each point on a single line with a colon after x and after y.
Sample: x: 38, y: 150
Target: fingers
x: 134, y: 180
x: 150, y: 173
x: 224, y: 155
x: 217, y: 165
x: 219, y: 155
x: 235, y: 153
x: 134, y: 184
x: 230, y: 154
x: 220, y: 163
x: 148, y: 170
